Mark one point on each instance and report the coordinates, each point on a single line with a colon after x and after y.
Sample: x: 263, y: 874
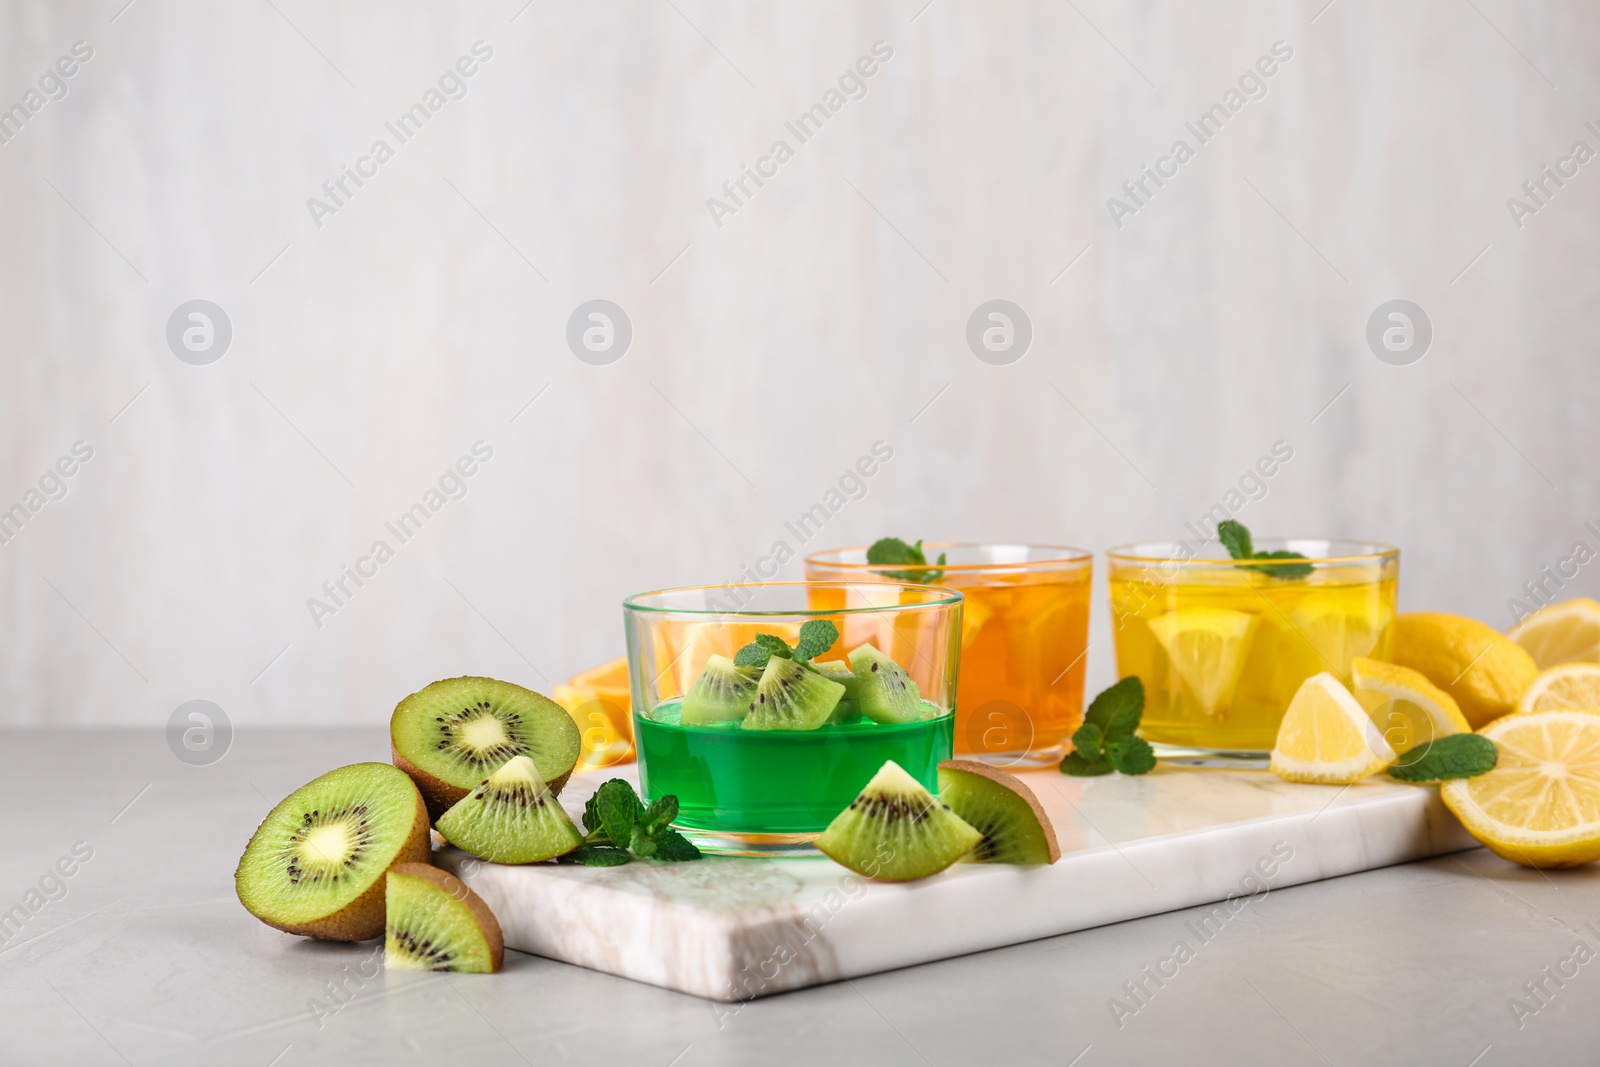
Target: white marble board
x: 734, y: 928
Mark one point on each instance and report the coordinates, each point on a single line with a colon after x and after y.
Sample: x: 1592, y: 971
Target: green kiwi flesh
x: 837, y: 670
x: 999, y: 806
x: 789, y: 697
x: 722, y: 693
x: 884, y: 690
x: 512, y: 817
x: 316, y: 863
x: 453, y: 734
x: 895, y: 830
x: 435, y: 923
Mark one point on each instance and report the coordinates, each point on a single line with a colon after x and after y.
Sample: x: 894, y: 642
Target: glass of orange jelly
x: 1024, y: 634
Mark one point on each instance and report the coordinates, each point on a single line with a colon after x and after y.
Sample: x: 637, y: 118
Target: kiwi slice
x: 884, y: 690
x: 789, y: 697
x: 315, y: 864
x: 435, y: 923
x: 837, y: 670
x: 1014, y: 826
x: 722, y: 693
x: 511, y: 818
x: 896, y: 830
x: 453, y: 734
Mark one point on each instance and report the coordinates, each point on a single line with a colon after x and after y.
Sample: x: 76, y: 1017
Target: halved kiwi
x: 315, y: 865
x: 884, y: 690
x: 998, y: 805
x: 511, y: 818
x: 722, y: 693
x: 436, y: 923
x: 896, y: 830
x: 454, y: 733
x: 837, y: 670
x: 789, y: 697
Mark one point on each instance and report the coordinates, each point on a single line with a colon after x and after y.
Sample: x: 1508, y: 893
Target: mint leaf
x: 659, y: 814
x: 1079, y: 767
x: 893, y: 550
x: 763, y: 648
x: 1286, y: 571
x: 1235, y: 537
x: 620, y: 811
x: 1451, y: 756
x: 816, y: 637
x: 595, y: 856
x: 1131, y: 755
x: 1118, y: 708
x: 1088, y: 741
x: 674, y: 847
x: 641, y: 844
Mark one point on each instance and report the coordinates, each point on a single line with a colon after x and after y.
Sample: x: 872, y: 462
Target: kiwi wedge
x: 1014, y: 826
x: 453, y: 734
x: 316, y: 863
x: 789, y: 697
x: 838, y: 670
x: 722, y: 693
x: 884, y: 690
x: 511, y: 818
x: 435, y: 923
x: 895, y: 830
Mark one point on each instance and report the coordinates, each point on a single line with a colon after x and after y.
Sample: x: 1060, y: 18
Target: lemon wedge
x: 1339, y: 632
x: 1483, y: 669
x: 1568, y: 632
x: 1540, y: 806
x: 1572, y: 685
x: 1326, y: 736
x: 1407, y: 708
x: 1207, y: 647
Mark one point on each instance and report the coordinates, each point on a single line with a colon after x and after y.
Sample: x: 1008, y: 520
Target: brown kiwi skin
x: 459, y: 890
x: 1015, y: 784
x: 362, y: 918
x: 439, y: 794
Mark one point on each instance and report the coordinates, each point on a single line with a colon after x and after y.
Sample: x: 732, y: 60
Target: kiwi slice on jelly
x: 884, y: 690
x: 837, y: 670
x: 455, y: 733
x: 315, y: 865
x: 895, y: 830
x: 511, y: 818
x: 789, y: 697
x: 436, y: 923
x: 722, y: 693
x: 998, y: 805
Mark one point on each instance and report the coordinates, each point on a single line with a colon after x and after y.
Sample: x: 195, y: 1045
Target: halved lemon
x: 1207, y: 647
x: 1568, y: 632
x: 1540, y: 806
x: 1327, y: 737
x: 1572, y: 685
x: 1483, y: 669
x: 1408, y: 709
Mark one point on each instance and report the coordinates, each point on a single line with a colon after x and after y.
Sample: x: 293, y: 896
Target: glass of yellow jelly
x: 1222, y: 644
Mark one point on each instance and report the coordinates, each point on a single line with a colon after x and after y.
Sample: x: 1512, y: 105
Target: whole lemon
x: 1484, y: 670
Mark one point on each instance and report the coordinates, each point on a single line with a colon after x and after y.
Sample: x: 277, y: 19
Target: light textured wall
x: 825, y: 314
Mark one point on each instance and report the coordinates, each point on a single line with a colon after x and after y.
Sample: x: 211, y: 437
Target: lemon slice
x: 1207, y: 647
x: 1340, y: 632
x: 1540, y: 806
x: 1408, y: 709
x: 1573, y: 685
x: 1568, y: 632
x: 1483, y: 669
x: 1326, y: 736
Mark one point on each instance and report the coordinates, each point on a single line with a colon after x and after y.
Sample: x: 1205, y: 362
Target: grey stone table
x: 143, y: 955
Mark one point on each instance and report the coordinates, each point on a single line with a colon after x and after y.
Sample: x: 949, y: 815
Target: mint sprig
x: 1235, y: 537
x: 892, y: 550
x: 1451, y: 756
x: 620, y: 827
x: 1106, y: 742
x: 816, y: 637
